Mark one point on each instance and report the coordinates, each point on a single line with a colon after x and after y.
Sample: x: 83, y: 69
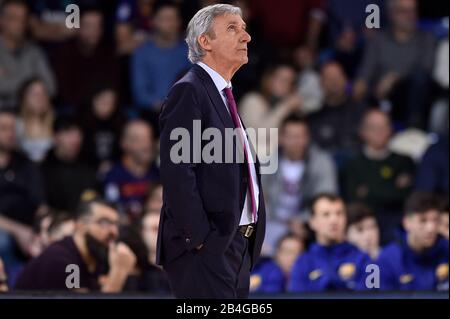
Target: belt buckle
x: 249, y: 231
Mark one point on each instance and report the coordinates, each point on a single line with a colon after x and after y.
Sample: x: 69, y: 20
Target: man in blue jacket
x: 331, y: 263
x: 419, y: 261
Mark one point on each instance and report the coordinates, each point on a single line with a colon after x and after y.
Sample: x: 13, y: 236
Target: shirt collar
x: 218, y: 80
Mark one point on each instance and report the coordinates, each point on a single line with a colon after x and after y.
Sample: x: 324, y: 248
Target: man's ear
x: 204, y: 42
x: 312, y: 223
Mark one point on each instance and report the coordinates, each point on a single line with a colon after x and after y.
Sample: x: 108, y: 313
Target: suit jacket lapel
x: 214, y: 95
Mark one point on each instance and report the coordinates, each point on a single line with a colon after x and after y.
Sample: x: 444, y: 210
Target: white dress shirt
x: 221, y: 84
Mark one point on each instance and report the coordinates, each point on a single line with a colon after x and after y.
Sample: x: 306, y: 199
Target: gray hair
x: 202, y: 23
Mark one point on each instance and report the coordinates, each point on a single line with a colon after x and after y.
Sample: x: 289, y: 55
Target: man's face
x: 138, y: 143
x: 329, y: 221
x: 364, y: 235
x: 13, y: 22
x: 102, y: 224
x: 68, y: 143
x: 334, y: 80
x: 167, y: 22
x: 36, y: 98
x: 423, y: 229
x: 294, y: 140
x: 404, y: 15
x: 229, y: 40
x: 91, y: 29
x: 7, y: 132
x: 282, y: 82
x: 288, y: 252
x: 376, y: 130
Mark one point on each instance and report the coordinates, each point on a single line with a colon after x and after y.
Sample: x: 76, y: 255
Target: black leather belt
x: 247, y: 230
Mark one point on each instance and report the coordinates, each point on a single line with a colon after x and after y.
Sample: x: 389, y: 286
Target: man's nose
x: 246, y: 37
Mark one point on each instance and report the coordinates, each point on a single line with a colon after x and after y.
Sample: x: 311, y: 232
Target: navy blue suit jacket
x: 202, y: 202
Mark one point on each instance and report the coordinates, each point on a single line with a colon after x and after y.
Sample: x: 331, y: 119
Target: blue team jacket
x: 403, y: 269
x: 329, y: 268
x: 268, y: 278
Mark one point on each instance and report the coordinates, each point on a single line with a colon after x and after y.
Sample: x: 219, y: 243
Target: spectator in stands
x: 128, y: 181
x: 102, y: 125
x: 304, y: 172
x: 398, y: 64
x: 433, y: 173
x: 48, y: 20
x: 150, y: 220
x: 443, y: 225
x: 3, y: 278
x: 157, y: 64
x: 21, y: 196
x: 67, y: 179
x: 362, y: 229
x: 347, y: 32
x: 84, y: 62
x: 134, y: 24
x: 55, y: 226
x: 20, y: 60
x: 104, y: 264
x: 275, y: 101
x: 378, y: 177
x: 420, y: 260
x: 287, y: 23
x: 272, y: 276
x: 334, y: 127
x: 35, y: 125
x: 331, y: 263
x: 308, y: 84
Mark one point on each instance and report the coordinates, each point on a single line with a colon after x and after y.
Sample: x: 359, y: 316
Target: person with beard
x: 104, y: 264
x: 331, y: 263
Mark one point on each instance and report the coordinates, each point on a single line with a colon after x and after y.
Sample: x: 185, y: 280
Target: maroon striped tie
x: 237, y: 124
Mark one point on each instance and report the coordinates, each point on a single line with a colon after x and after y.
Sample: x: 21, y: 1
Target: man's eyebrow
x: 244, y: 25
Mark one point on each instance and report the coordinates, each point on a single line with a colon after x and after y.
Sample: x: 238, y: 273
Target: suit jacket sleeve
x: 182, y: 197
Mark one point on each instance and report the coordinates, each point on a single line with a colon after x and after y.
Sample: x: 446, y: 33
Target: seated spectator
x: 102, y: 125
x: 308, y: 83
x: 3, y: 278
x: 146, y: 276
x: 362, y: 229
x: 439, y: 111
x: 35, y: 125
x: 398, y: 63
x: 157, y: 64
x: 150, y: 219
x: 378, y: 177
x: 272, y: 276
x: 104, y: 264
x: 331, y: 263
x: 48, y: 20
x: 53, y: 227
x: 420, y: 260
x: 20, y: 60
x: 433, y: 173
x: 83, y: 62
x: 443, y: 225
x: 286, y: 23
x: 347, y: 32
x: 334, y: 127
x: 66, y: 177
x: 128, y: 181
x: 134, y: 24
x: 275, y: 101
x: 304, y: 172
x: 21, y: 197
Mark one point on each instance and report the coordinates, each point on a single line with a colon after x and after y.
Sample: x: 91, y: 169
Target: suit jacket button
x: 188, y: 240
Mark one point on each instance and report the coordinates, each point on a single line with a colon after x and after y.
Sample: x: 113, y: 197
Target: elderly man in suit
x: 213, y: 217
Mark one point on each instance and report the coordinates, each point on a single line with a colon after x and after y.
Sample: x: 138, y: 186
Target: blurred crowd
x: 362, y: 118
